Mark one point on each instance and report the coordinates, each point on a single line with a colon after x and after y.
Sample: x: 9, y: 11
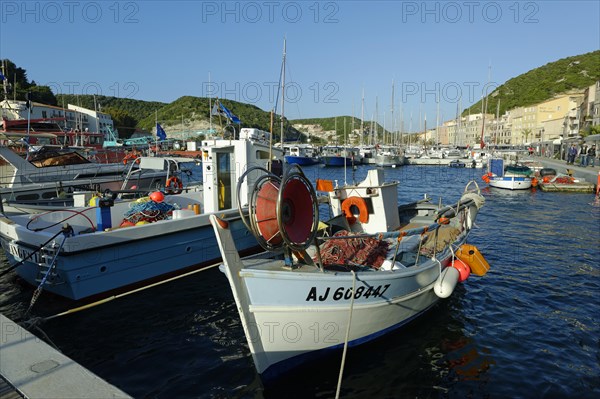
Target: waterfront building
x: 71, y: 118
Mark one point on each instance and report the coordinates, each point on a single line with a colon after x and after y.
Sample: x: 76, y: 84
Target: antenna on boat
x: 209, y: 104
x: 345, y: 152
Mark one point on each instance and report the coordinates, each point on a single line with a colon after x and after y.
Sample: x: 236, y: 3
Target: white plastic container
x: 183, y: 213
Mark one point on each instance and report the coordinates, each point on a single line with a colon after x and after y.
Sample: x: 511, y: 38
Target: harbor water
x: 528, y: 329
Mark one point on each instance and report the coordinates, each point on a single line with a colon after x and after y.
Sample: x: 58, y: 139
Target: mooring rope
x: 111, y: 298
x: 339, y: 384
x: 38, y: 290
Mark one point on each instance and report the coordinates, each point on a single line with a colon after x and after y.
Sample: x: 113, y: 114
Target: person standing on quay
x: 592, y: 155
x: 583, y: 155
x: 571, y: 154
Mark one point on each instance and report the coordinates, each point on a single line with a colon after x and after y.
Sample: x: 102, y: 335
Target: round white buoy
x: 444, y: 286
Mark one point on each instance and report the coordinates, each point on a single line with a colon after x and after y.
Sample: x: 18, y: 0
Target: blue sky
x: 160, y: 51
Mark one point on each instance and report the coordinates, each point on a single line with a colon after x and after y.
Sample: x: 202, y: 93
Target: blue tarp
x: 497, y: 167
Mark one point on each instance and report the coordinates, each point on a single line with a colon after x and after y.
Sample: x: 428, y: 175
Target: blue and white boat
x: 333, y: 155
x: 511, y: 177
x: 302, y: 154
x: 302, y: 306
x: 92, y: 251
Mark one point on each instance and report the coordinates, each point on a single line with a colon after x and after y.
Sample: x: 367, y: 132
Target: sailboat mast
x: 392, y: 131
x: 437, y: 124
x: 209, y: 105
x: 376, y: 118
x: 283, y: 90
x: 362, y: 118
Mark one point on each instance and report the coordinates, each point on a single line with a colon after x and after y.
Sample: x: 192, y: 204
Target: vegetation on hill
x: 137, y: 109
x: 337, y: 124
x: 19, y: 85
x: 190, y: 109
x: 543, y: 83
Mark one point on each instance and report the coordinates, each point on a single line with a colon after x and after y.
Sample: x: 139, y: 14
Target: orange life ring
x: 173, y: 185
x: 361, y: 204
x: 131, y: 156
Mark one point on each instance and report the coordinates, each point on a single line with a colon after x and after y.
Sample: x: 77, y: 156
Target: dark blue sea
x: 530, y: 328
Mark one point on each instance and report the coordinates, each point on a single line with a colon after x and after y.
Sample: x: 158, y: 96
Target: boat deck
x: 581, y: 187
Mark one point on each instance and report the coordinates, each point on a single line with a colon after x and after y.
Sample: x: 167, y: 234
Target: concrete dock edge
x: 36, y: 370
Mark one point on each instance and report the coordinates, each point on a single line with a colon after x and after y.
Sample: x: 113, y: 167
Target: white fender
x: 444, y: 286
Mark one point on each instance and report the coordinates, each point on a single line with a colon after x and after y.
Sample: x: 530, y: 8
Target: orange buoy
x: 361, y: 204
x: 266, y: 212
x: 463, y: 269
x: 157, y: 196
x: 534, y: 182
x: 472, y: 257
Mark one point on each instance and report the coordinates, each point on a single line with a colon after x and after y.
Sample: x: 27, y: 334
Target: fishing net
x: 148, y: 211
x: 359, y: 251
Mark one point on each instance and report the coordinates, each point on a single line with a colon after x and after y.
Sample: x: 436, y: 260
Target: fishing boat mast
x: 283, y: 90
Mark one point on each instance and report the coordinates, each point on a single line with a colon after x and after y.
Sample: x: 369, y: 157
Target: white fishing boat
x: 385, y: 265
x: 388, y: 156
x: 511, y: 177
x: 91, y: 251
x: 50, y: 176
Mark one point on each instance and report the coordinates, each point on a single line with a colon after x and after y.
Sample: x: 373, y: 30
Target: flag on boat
x: 220, y: 110
x: 324, y: 185
x: 2, y: 77
x: 160, y: 132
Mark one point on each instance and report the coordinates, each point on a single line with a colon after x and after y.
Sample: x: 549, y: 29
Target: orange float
x: 463, y: 269
x: 173, y: 185
x: 361, y: 204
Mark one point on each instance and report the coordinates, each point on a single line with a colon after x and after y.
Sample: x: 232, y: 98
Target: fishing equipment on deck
x: 149, y: 211
x: 359, y: 251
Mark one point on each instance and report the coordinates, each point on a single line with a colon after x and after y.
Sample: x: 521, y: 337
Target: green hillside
x: 138, y: 109
x: 543, y: 83
x: 329, y: 124
x: 197, y: 108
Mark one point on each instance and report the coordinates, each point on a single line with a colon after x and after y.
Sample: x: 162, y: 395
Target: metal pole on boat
x: 28, y: 105
x: 283, y: 90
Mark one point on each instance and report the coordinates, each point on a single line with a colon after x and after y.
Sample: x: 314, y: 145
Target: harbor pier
x: 30, y: 368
